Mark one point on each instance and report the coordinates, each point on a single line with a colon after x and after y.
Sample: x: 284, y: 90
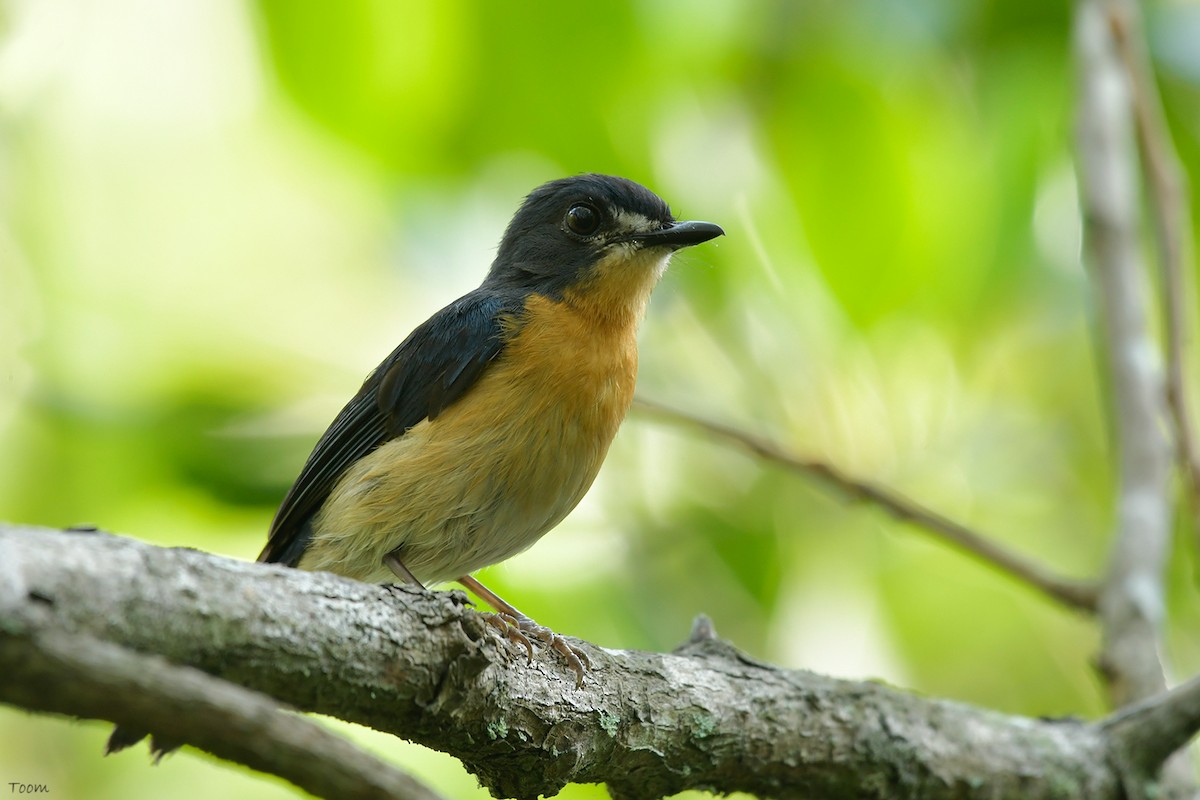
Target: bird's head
x: 598, y: 240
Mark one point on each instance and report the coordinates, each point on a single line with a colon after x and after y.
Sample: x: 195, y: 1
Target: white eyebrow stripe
x: 631, y: 221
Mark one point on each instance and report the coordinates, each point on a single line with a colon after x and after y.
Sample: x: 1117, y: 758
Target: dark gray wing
x: 431, y: 369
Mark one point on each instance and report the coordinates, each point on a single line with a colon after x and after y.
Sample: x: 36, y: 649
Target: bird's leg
x: 393, y: 562
x: 506, y: 619
x: 518, y: 628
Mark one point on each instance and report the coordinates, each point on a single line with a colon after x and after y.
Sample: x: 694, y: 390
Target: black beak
x: 681, y: 234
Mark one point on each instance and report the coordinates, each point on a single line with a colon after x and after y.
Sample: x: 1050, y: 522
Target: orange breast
x: 499, y: 468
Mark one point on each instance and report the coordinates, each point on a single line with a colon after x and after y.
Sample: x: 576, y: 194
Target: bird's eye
x: 583, y: 219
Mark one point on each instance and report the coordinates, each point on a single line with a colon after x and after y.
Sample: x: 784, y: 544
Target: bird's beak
x: 681, y: 234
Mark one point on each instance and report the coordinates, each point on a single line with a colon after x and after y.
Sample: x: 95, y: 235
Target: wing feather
x: 431, y: 369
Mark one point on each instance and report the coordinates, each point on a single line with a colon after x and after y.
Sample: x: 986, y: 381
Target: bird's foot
x: 519, y: 629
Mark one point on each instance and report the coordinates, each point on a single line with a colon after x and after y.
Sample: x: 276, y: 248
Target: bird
x: 487, y: 425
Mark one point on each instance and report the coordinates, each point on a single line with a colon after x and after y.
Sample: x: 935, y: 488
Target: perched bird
x: 488, y: 424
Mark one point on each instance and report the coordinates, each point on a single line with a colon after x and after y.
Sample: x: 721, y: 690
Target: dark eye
x: 583, y: 219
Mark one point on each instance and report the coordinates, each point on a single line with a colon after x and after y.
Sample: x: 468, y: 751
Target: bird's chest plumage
x: 567, y: 381
x: 543, y: 418
x: 499, y: 468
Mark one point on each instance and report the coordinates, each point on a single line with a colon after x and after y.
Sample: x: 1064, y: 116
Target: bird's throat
x: 617, y: 289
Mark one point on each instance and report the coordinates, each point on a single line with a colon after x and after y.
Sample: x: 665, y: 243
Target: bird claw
x: 520, y: 629
x: 510, y: 627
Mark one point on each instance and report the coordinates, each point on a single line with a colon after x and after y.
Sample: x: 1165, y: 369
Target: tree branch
x: 1168, y: 194
x: 77, y: 675
x: 424, y: 666
x: 1131, y: 596
x: 1149, y: 732
x: 1076, y: 594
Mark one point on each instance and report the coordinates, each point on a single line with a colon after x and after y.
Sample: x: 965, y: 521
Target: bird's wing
x: 431, y: 369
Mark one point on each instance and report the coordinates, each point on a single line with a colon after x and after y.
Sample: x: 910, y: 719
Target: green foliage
x: 215, y: 220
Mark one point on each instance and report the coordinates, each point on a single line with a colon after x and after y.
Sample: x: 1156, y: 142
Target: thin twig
x: 1080, y: 595
x: 85, y: 677
x: 1168, y: 194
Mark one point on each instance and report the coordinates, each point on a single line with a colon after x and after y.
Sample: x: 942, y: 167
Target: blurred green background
x: 216, y: 217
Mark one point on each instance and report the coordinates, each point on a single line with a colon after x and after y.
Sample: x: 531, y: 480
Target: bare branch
x: 1149, y: 732
x: 80, y: 676
x: 424, y: 666
x: 1168, y: 193
x: 1131, y: 598
x: 1076, y: 594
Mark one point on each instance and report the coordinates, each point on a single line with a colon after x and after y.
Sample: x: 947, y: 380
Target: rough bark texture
x: 58, y: 672
x: 426, y: 667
